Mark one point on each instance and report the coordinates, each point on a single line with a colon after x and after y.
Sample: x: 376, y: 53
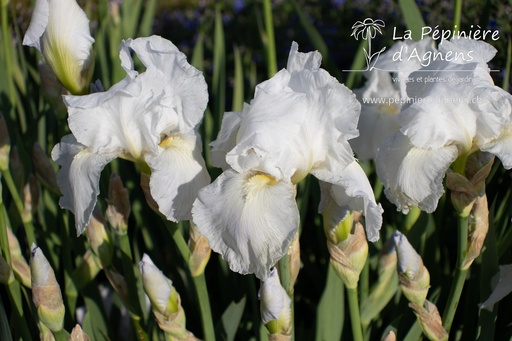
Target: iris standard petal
x: 79, y: 178
x: 413, y: 176
x: 249, y: 218
x: 187, y: 92
x: 178, y: 173
x: 226, y: 138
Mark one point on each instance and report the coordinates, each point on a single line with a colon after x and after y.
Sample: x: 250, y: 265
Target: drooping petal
x: 78, y: 178
x: 178, y: 172
x: 59, y: 29
x: 354, y: 191
x: 226, y: 139
x: 413, y: 176
x: 249, y: 218
x: 187, y: 92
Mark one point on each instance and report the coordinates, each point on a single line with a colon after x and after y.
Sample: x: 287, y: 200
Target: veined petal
x: 501, y: 146
x: 186, y: 92
x: 226, y: 138
x: 79, y: 178
x: 249, y: 218
x: 354, y: 191
x: 60, y: 31
x: 178, y: 172
x: 413, y: 176
x: 129, y: 118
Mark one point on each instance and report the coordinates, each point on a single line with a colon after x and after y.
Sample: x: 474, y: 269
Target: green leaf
x: 238, y: 87
x: 228, y: 324
x: 5, y: 330
x: 380, y: 295
x: 412, y: 16
x: 331, y: 309
x: 94, y: 320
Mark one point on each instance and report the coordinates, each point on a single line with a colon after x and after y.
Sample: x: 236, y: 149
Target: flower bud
x: 165, y: 301
x: 46, y: 292
x: 30, y: 198
x: 144, y: 184
x: 60, y: 31
x: 275, y: 306
x: 478, y: 228
x: 18, y: 262
x: 294, y: 259
x: 465, y: 189
x: 199, y: 251
x: 5, y: 144
x: 119, y: 284
x: 414, y: 276
x: 346, y: 242
x: 118, y: 209
x: 44, y: 169
x: 99, y: 238
x: 430, y: 320
x: 77, y: 334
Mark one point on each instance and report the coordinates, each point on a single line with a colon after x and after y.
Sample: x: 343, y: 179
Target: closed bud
x: 46, y: 293
x: 18, y: 262
x: 30, y: 198
x: 347, y: 245
x: 466, y: 188
x: 294, y: 259
x: 99, y: 238
x: 44, y: 169
x: 430, y: 321
x: 144, y: 184
x: 119, y: 284
x: 77, y: 334
x: 199, y: 251
x: 478, y: 228
x: 118, y: 209
x: 414, y: 276
x: 165, y: 301
x: 390, y: 336
x: 275, y: 306
x: 5, y: 144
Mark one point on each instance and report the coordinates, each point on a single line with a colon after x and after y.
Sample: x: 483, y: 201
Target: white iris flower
x: 150, y: 118
x: 59, y: 29
x: 298, y: 123
x: 457, y: 112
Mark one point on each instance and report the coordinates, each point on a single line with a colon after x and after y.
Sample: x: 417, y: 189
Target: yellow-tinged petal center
x: 171, y: 141
x: 257, y: 182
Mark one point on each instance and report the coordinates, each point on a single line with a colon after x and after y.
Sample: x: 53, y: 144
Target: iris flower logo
x: 368, y: 29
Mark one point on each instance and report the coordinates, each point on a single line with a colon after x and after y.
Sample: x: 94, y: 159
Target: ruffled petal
x: 249, y: 218
x: 187, y: 92
x: 78, y: 178
x: 61, y: 32
x: 413, y: 176
x: 129, y: 118
x: 178, y: 172
x: 354, y: 191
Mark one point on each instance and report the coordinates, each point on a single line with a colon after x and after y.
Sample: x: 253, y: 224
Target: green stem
x: 27, y: 221
x: 204, y: 307
x: 456, y: 15
x: 131, y: 281
x: 271, y: 44
x: 460, y: 275
x: 199, y: 283
x: 355, y: 316
x: 61, y: 335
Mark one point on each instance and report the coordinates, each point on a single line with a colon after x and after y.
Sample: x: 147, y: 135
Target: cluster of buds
x: 275, y: 308
x: 165, y: 301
